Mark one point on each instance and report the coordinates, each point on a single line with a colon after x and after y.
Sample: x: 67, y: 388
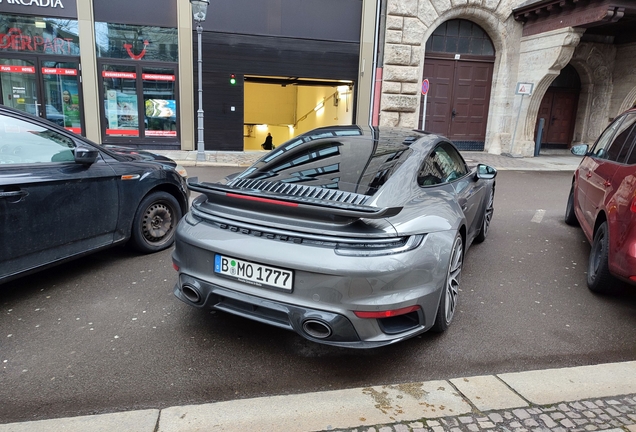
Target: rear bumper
x: 316, y: 325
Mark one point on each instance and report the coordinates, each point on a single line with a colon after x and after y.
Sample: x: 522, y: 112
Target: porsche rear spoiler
x: 217, y: 192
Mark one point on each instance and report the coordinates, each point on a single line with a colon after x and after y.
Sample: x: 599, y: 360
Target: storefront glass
x: 134, y: 42
x: 38, y: 35
x: 139, y: 81
x: 18, y: 81
x: 120, y: 100
x: 39, y: 68
x: 160, y: 102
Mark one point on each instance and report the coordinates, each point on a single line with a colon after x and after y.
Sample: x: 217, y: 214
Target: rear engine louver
x: 300, y: 191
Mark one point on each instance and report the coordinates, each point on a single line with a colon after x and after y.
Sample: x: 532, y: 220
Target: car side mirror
x: 85, y: 155
x: 486, y: 172
x: 579, y: 150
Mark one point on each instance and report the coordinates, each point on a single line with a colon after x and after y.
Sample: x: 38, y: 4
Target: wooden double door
x: 458, y: 98
x: 558, y: 108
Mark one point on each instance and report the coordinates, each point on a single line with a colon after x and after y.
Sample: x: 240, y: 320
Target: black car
x: 62, y: 196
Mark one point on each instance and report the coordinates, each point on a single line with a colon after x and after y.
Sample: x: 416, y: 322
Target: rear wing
x: 282, y: 203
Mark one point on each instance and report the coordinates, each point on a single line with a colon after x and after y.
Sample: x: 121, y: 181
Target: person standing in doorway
x: 268, y: 144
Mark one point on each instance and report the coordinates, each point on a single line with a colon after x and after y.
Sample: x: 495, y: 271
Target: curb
x: 370, y: 406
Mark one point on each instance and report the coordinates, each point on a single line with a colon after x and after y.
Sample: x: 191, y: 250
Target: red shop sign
x: 113, y: 74
x: 18, y: 69
x: 58, y: 71
x: 157, y: 77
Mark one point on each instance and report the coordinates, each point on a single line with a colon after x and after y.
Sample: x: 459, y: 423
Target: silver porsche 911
x: 349, y: 236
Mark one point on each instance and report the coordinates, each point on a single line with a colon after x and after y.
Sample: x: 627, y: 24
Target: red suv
x: 603, y: 202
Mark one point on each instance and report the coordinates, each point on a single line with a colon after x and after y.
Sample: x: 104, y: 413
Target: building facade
x: 568, y: 62
x: 122, y: 72
x: 493, y: 75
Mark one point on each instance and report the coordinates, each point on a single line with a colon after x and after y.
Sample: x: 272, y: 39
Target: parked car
x: 602, y: 201
x: 62, y: 196
x: 350, y: 237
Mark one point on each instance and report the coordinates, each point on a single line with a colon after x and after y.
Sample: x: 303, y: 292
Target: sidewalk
x: 584, y: 398
x: 547, y: 161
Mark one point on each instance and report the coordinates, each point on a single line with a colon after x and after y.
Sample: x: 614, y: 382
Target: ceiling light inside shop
x: 40, y: 24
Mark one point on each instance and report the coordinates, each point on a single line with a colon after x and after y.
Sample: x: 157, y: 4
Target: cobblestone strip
x: 615, y: 414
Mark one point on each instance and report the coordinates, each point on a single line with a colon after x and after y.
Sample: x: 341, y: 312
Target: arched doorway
x: 458, y: 64
x: 558, y: 109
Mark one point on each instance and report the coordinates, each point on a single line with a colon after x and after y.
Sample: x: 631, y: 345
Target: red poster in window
x: 113, y: 74
x: 58, y: 71
x: 158, y: 77
x: 18, y: 69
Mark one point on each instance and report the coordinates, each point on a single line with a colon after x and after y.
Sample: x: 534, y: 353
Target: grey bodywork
x: 328, y: 286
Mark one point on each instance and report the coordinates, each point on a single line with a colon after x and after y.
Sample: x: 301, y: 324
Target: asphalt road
x: 105, y: 333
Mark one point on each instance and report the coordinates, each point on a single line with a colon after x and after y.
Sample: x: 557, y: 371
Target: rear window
x: 340, y: 159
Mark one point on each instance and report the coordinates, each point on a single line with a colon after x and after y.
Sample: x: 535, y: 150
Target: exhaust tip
x: 191, y: 293
x: 316, y: 329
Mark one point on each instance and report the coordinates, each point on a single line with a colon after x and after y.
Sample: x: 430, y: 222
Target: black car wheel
x: 155, y: 222
x: 599, y: 278
x: 448, y: 302
x: 570, y: 216
x: 485, y: 224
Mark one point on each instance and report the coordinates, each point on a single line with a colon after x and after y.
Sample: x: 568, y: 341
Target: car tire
x: 448, y: 301
x: 155, y: 222
x: 599, y: 278
x: 487, y: 218
x: 570, y: 216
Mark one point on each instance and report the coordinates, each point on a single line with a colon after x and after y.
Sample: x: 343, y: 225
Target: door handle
x: 607, y: 183
x: 453, y: 113
x: 588, y: 174
x: 13, y: 194
x: 552, y: 120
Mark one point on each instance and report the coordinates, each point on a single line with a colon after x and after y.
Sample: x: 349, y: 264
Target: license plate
x: 253, y: 273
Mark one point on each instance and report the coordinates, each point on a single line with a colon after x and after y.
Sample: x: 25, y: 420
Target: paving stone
x: 486, y: 425
x: 521, y: 413
x: 547, y: 421
x: 473, y: 427
x: 401, y: 428
x: 567, y: 423
x: 496, y: 418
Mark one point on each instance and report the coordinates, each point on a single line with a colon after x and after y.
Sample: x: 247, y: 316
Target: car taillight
x: 175, y: 266
x: 633, y: 206
x: 386, y: 313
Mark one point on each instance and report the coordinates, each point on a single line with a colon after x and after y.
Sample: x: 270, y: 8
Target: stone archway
x: 544, y: 55
x: 408, y: 26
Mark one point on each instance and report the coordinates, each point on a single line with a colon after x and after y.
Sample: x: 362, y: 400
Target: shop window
x: 38, y: 35
x: 160, y: 102
x: 136, y: 42
x: 120, y: 101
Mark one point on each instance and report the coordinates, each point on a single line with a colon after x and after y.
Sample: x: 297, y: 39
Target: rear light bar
x: 263, y: 200
x: 386, y: 313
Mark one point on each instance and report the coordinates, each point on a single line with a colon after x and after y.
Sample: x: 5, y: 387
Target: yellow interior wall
x: 328, y: 115
x: 271, y: 108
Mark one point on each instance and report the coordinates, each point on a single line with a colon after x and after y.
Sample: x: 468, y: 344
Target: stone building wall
x: 409, y: 24
x: 608, y: 87
x: 624, y: 77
